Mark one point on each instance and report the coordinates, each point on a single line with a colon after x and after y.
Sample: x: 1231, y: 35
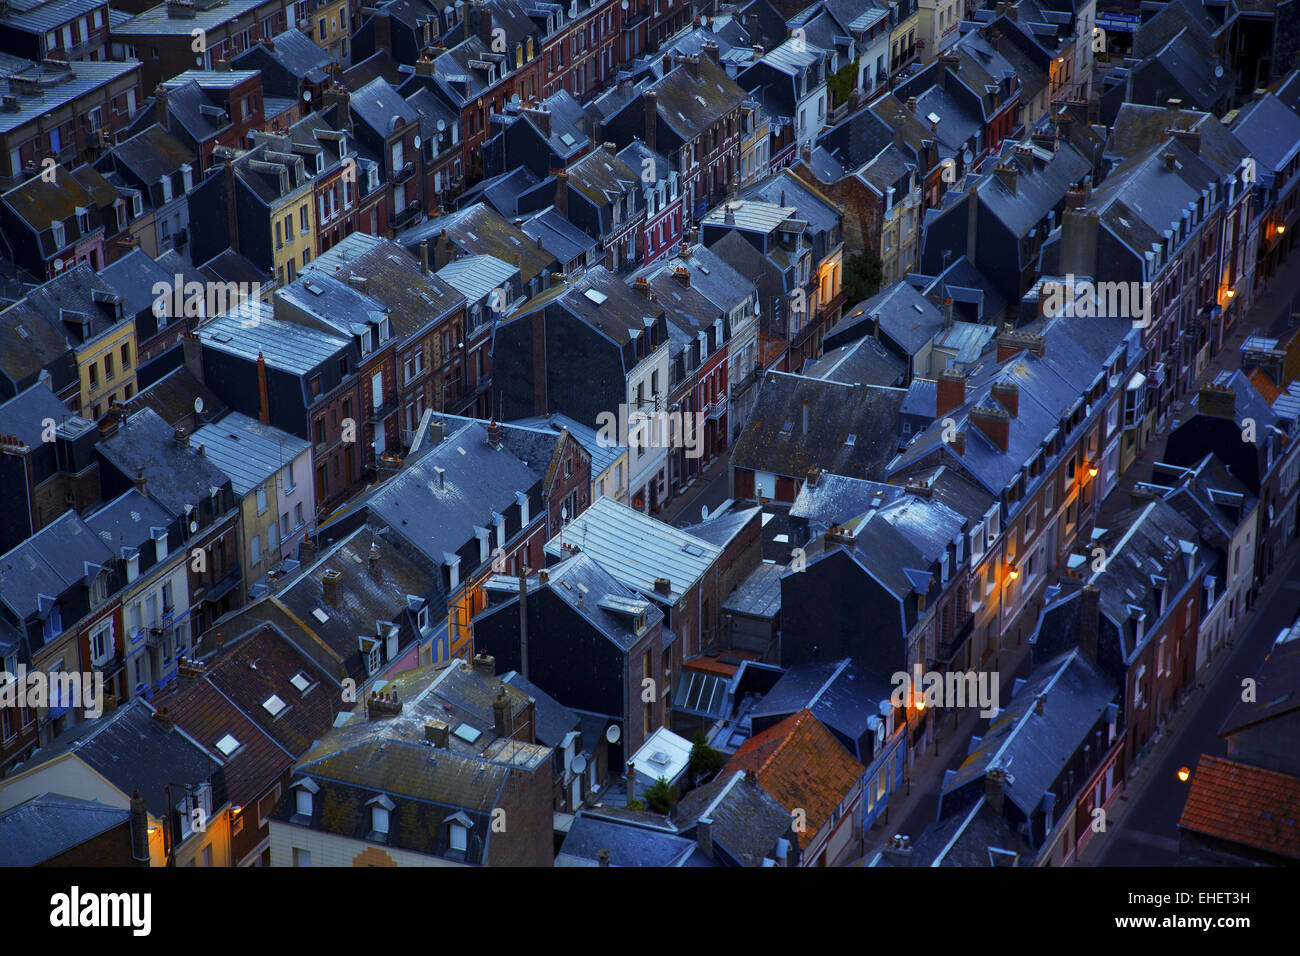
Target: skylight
x: 227, y: 745
x: 320, y: 615
x: 274, y: 705
x: 595, y: 296
x: 300, y: 681
x: 467, y: 733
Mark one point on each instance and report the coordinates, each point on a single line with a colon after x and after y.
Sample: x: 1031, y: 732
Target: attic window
x: 301, y: 682
x: 787, y: 428
x: 320, y: 615
x: 851, y: 440
x: 227, y: 745
x: 274, y: 706
x: 597, y: 297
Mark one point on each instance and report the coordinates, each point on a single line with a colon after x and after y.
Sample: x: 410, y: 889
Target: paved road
x: 1147, y: 833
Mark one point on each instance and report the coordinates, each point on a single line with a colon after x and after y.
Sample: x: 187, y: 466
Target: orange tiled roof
x: 1264, y: 385
x: 1243, y: 804
x: 801, y: 765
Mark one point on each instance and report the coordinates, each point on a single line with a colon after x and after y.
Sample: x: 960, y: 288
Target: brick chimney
x: 501, y: 714
x: 995, y: 782
x: 141, y: 485
x: 951, y: 392
x: 139, y: 829
x: 485, y: 664
x: 1217, y: 401
x: 161, y: 113
x: 1089, y: 621
x: 374, y: 564
x: 1008, y: 394
x: 1012, y: 343
x: 438, y: 733
x: 163, y: 719
x: 651, y: 119
x: 1007, y: 174
x: 704, y: 836
x: 192, y: 352
x: 995, y: 423
x: 330, y: 584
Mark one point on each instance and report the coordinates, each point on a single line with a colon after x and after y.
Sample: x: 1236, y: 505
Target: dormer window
x: 83, y: 220
x: 385, y: 329
x: 160, y: 545
x: 304, y: 793
x: 166, y: 183
x: 458, y: 826
x: 381, y: 808
x: 422, y: 619
x: 366, y: 343
x: 58, y: 235
x: 187, y: 176
x: 137, y: 204
x: 132, y: 567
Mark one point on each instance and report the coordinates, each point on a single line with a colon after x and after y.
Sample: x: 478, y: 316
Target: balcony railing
x: 717, y: 408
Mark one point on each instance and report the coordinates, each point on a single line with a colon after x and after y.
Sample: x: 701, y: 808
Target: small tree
x: 660, y: 797
x: 862, y: 276
x: 705, y: 761
x: 841, y: 83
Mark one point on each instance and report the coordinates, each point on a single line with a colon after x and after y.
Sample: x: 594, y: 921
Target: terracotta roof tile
x: 1264, y: 385
x: 801, y: 765
x: 1246, y: 805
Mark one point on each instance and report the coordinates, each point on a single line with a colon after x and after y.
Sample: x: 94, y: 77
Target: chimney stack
x: 951, y: 393
x: 562, y: 192
x: 374, y: 564
x: 163, y: 719
x: 141, y: 485
x: 1217, y: 401
x: 437, y: 733
x: 663, y: 586
x: 1008, y: 395
x: 424, y: 257
x: 330, y: 584
x: 631, y: 772
x: 704, y: 836
x: 1007, y: 174
x: 602, y: 857
x: 192, y: 352
x: 898, y: 851
x: 139, y: 829
x: 485, y: 664
x: 995, y: 782
x: 995, y: 423
x: 805, y: 416
x: 501, y: 714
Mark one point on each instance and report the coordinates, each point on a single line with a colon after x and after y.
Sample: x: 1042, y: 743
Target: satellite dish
x: 967, y: 157
x: 579, y: 763
x: 58, y: 265
x: 306, y: 96
x: 704, y: 512
x: 442, y: 125
x: 194, y: 526
x: 198, y: 404
x: 612, y: 733
x: 417, y: 142
x: 198, y: 60
x: 1218, y: 72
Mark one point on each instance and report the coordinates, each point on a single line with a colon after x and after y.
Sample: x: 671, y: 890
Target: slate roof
x: 132, y: 751
x: 627, y: 843
x: 759, y: 595
x: 567, y: 581
x: 176, y: 475
x: 58, y: 86
x: 475, y: 277
x: 363, y: 602
x: 134, y: 276
x: 172, y: 398
x: 1269, y: 130
x: 617, y: 316
x: 62, y: 554
x: 603, y: 455
x: 479, y: 480
x: 297, y: 53
x: 481, y: 230
x: 864, y: 362
x: 554, y: 721
x: 775, y: 439
x: 153, y: 153
x: 801, y: 765
x: 378, y: 105
x: 906, y: 316
x: 1277, y: 686
x: 722, y: 529
x: 246, y: 450
x: 22, y: 415
x: 636, y: 548
x: 688, y: 106
x: 1245, y: 805
x: 45, y: 826
x: 42, y: 346
x: 836, y: 499
x: 746, y: 821
x: 1037, y: 748
x: 128, y: 521
x: 843, y: 698
x: 252, y: 330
